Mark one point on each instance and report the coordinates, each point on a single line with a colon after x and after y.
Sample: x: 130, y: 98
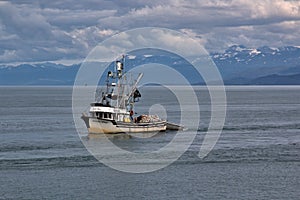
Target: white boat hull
x: 95, y: 125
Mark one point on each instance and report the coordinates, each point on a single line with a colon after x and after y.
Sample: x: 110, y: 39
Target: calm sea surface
x: 256, y: 157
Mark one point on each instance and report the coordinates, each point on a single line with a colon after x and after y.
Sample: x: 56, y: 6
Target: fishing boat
x: 113, y: 110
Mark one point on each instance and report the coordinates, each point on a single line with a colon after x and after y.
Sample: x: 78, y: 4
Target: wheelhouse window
x: 105, y: 115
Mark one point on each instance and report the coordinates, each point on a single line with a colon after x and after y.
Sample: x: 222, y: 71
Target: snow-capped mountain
x: 38, y: 74
x: 240, y: 62
x: 238, y: 65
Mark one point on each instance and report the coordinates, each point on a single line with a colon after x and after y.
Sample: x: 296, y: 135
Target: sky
x: 66, y: 31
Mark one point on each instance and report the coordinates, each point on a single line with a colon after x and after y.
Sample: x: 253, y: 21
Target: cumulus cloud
x: 53, y: 30
x: 31, y: 33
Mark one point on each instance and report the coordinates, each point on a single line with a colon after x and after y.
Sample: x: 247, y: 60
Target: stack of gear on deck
x: 147, y: 118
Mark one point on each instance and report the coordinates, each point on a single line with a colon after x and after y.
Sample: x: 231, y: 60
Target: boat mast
x: 124, y: 88
x: 119, y: 70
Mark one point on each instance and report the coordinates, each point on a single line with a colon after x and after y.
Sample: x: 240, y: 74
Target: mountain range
x: 264, y: 65
x: 238, y: 65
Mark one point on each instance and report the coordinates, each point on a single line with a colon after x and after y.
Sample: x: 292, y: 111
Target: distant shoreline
x: 228, y: 86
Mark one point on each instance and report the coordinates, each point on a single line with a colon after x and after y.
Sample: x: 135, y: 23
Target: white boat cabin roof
x: 99, y: 107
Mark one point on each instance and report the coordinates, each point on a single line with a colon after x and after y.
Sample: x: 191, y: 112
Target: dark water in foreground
x: 257, y: 156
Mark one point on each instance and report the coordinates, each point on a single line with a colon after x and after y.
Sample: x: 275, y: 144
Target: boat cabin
x: 100, y: 111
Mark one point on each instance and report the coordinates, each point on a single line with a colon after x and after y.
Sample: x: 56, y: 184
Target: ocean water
x: 256, y: 157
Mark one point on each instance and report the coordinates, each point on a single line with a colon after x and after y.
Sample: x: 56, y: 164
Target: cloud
x: 30, y: 33
x: 195, y: 14
x: 220, y: 23
x: 53, y: 30
x: 8, y: 55
x: 70, y: 19
x: 24, y: 22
